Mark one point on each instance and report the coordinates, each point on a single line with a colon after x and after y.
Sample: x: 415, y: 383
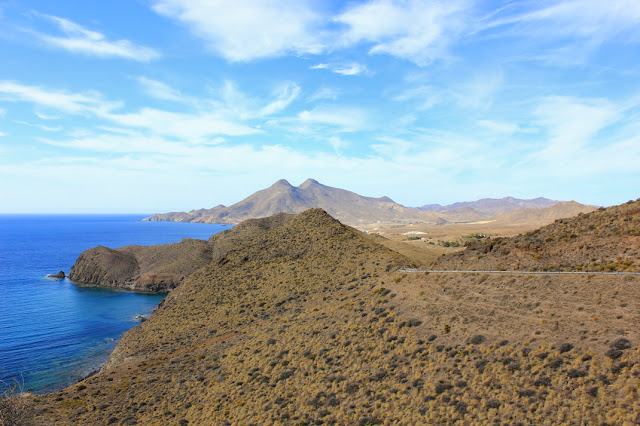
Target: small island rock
x: 60, y: 275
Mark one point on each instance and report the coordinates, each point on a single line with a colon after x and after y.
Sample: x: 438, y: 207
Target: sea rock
x: 60, y: 275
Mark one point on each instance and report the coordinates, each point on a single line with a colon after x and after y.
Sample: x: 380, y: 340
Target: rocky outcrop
x: 60, y: 275
x: 106, y: 267
x: 147, y: 269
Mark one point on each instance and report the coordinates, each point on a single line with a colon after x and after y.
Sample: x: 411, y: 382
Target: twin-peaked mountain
x: 282, y: 197
x: 354, y: 209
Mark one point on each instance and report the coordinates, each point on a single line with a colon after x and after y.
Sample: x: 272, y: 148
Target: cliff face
x: 147, y: 269
x: 104, y: 266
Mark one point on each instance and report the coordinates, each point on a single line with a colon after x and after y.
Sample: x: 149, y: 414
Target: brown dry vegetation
x: 301, y: 320
x: 603, y: 240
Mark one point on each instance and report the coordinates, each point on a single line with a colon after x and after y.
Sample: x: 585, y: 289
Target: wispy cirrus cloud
x: 572, y: 124
x: 159, y: 90
x: 500, y: 127
x: 590, y: 20
x: 417, y: 30
x: 284, y: 95
x: 77, y: 39
x: 564, y: 32
x: 330, y: 93
x: 352, y: 68
x: 345, y: 119
x: 420, y: 31
x: 231, y: 113
x: 251, y: 29
x: 88, y: 103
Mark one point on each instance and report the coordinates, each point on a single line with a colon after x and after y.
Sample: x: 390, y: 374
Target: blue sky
x: 171, y: 105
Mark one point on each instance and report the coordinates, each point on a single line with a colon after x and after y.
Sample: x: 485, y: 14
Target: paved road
x: 517, y: 272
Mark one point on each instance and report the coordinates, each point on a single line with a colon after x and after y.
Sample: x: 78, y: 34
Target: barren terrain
x: 301, y: 320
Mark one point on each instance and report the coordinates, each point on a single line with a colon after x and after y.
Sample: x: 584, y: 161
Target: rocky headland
x: 299, y: 319
x: 145, y: 269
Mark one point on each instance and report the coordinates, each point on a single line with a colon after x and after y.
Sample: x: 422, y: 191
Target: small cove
x: 52, y: 332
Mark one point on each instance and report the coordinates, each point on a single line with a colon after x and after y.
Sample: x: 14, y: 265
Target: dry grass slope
x: 302, y: 320
x: 602, y: 240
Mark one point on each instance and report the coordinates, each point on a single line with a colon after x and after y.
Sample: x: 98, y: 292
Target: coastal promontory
x: 146, y: 269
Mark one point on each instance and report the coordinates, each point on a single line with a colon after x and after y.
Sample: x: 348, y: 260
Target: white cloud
x: 338, y: 144
x: 572, y: 123
x: 352, y: 68
x: 72, y: 103
x: 45, y: 116
x: 478, y: 92
x: 500, y: 127
x: 586, y: 19
x: 230, y: 114
x: 392, y: 147
x: 325, y: 93
x: 160, y: 90
x: 347, y: 119
x: 249, y: 29
x: 568, y: 31
x: 3, y: 134
x: 286, y: 94
x: 39, y: 126
x: 193, y: 126
x: 77, y: 39
x: 426, y: 96
x: 418, y: 30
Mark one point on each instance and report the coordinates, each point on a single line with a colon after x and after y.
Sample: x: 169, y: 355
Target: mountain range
x: 282, y: 197
x: 355, y: 209
x: 488, y: 207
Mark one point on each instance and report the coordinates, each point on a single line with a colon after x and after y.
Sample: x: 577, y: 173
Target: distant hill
x: 605, y: 239
x: 488, y: 207
x: 545, y: 215
x: 354, y: 209
x: 282, y: 197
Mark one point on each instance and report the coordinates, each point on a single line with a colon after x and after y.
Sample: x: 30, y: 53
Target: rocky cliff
x: 147, y: 269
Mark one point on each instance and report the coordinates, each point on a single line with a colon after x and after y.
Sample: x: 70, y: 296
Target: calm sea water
x: 52, y: 333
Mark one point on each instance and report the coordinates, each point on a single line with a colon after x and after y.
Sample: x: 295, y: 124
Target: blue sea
x: 53, y: 333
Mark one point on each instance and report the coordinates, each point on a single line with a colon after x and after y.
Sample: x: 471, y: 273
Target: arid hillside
x: 602, y: 240
x: 302, y: 320
x: 487, y: 207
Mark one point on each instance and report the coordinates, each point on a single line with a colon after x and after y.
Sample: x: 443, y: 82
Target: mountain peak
x: 282, y: 182
x: 308, y: 183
